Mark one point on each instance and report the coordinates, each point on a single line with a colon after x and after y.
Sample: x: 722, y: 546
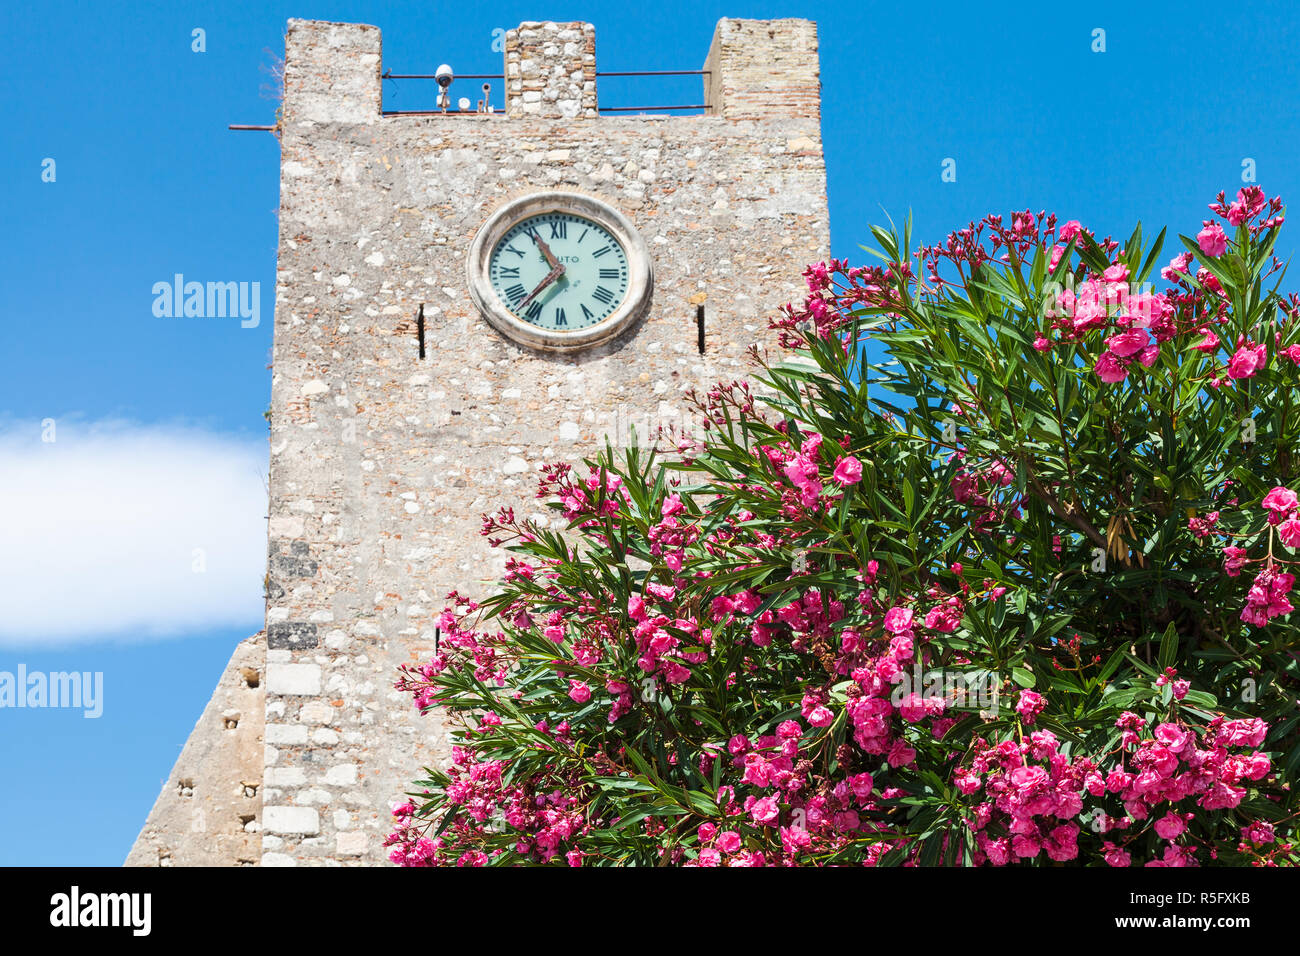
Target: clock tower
x: 461, y: 298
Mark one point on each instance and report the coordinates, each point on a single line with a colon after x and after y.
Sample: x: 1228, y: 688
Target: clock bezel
x: 639, y: 270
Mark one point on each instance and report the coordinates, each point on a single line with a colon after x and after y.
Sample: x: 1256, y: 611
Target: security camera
x: 444, y: 76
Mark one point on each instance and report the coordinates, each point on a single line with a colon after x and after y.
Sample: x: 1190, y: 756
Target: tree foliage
x: 1016, y: 593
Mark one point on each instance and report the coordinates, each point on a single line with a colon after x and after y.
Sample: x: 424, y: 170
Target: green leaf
x: 1169, y: 647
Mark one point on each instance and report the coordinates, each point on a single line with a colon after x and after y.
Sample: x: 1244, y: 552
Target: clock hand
x: 546, y: 250
x: 551, y: 276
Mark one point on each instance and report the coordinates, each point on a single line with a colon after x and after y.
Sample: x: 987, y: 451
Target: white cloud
x: 123, y: 531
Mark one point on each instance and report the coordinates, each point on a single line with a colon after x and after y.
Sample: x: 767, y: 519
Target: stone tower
x: 400, y: 415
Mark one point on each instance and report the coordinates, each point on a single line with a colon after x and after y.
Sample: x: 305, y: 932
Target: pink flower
x: 1259, y: 833
x: 1090, y: 309
x: 820, y: 716
x: 1177, y: 266
x: 1247, y: 360
x: 579, y: 691
x: 1246, y: 732
x: 1030, y: 705
x: 801, y: 471
x: 1234, y: 559
x: 1109, y: 370
x: 729, y: 841
x: 898, y: 620
x: 848, y: 471
x: 1170, y: 826
x: 861, y: 784
x: 1258, y: 766
x: 1041, y: 343
x: 1145, y: 309
x: 1115, y: 856
x: 1281, y: 501
x: 1128, y: 343
x: 765, y: 810
x: 1069, y: 230
x: 1025, y: 846
x: 1062, y: 843
x: 1212, y: 240
x: 912, y: 708
x: 1267, y: 597
x: 1209, y: 345
x: 1172, y: 736
x: 816, y: 712
x: 900, y: 754
x: 1289, y: 532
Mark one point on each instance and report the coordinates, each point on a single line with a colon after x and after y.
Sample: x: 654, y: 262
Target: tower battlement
x: 755, y: 69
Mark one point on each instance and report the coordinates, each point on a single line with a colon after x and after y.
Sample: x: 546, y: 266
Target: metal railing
x: 388, y: 75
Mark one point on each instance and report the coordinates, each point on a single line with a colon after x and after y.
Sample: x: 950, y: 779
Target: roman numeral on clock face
x: 587, y: 313
x: 603, y: 295
x: 515, y: 293
x: 533, y: 312
x: 601, y: 251
x: 509, y: 272
x: 559, y: 229
x: 559, y: 318
x: 609, y: 273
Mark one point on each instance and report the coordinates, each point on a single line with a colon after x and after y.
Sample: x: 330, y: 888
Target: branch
x: 1068, y: 515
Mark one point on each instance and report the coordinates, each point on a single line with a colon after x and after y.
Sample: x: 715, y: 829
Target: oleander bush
x: 1017, y: 593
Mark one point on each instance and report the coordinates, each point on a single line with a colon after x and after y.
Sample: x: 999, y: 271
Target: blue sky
x: 131, y: 545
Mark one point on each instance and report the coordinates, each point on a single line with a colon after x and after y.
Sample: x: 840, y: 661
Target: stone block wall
x: 762, y: 69
x: 382, y: 462
x: 551, y: 70
x: 209, y: 811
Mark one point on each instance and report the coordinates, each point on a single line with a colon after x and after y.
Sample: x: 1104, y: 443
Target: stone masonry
x: 382, y: 463
x: 551, y: 70
x: 209, y: 811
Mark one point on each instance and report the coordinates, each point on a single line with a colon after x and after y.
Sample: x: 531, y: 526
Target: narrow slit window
x: 419, y: 328
x: 699, y: 326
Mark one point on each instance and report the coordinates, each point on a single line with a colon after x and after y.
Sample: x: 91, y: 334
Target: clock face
x: 559, y: 272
